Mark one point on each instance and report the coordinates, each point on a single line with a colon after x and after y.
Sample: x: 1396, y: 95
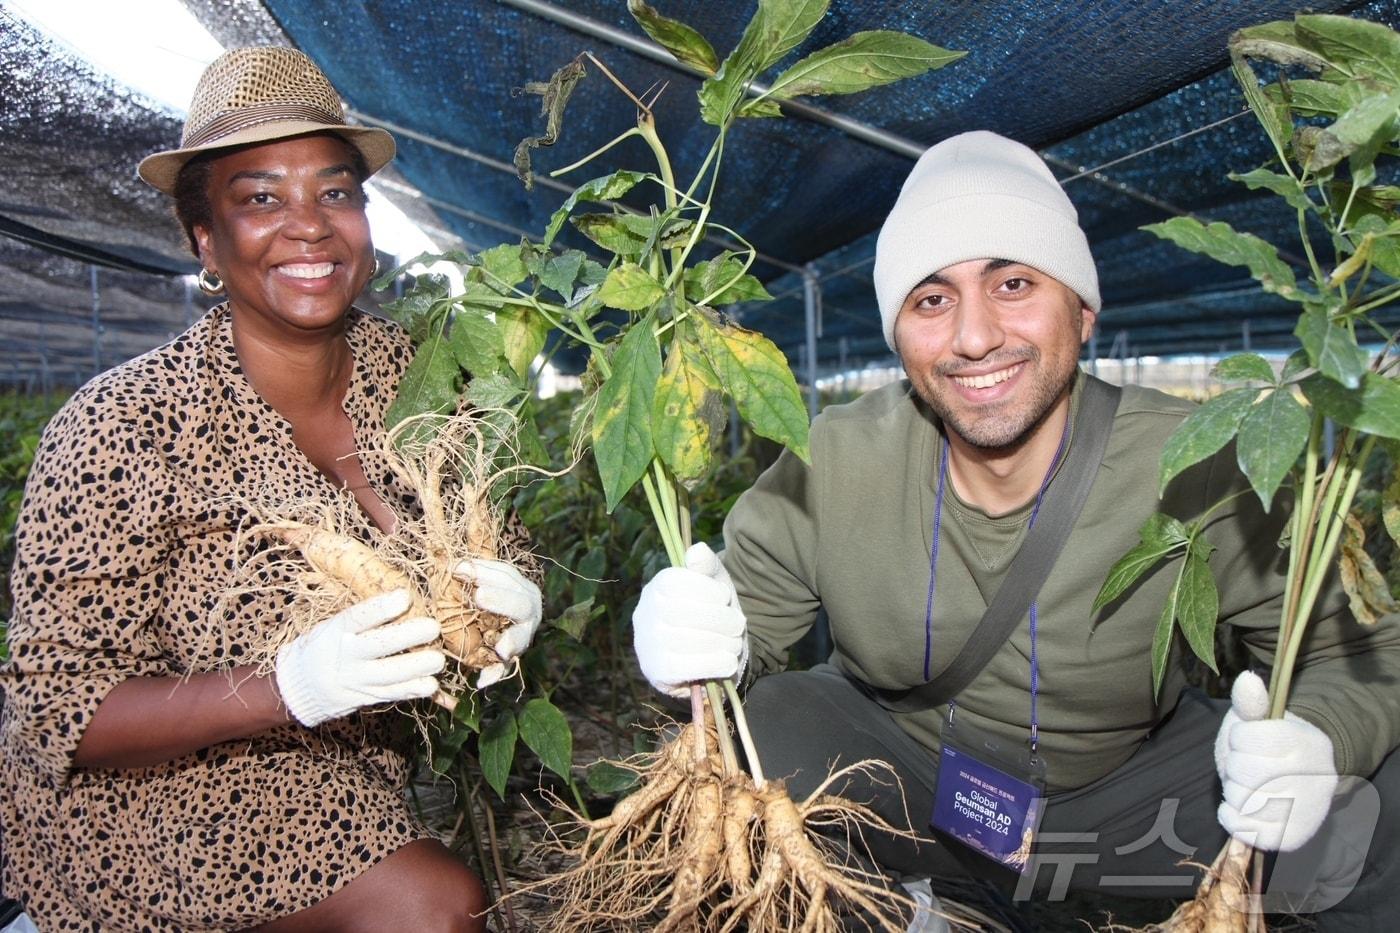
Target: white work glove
x: 353, y: 659
x: 502, y: 589
x: 688, y: 625
x: 1278, y: 774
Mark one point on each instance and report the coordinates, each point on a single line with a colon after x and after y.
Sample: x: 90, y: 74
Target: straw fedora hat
x: 258, y: 95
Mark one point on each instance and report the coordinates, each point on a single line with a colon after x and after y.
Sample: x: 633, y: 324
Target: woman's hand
x: 354, y: 659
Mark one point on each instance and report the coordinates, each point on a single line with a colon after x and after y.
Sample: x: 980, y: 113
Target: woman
x: 134, y: 794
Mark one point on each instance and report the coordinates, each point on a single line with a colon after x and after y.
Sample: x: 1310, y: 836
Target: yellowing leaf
x: 1365, y: 586
x: 629, y: 287
x: 688, y: 410
x: 755, y: 374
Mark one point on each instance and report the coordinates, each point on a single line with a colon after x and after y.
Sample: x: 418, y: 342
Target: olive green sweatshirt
x: 852, y: 533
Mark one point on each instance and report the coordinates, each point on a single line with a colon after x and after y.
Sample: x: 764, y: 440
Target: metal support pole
x: 96, y: 323
x: 811, y: 300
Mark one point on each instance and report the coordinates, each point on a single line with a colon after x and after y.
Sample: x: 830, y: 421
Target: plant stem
x: 501, y: 882
x: 595, y: 153
x: 469, y: 810
x: 741, y: 726
x: 697, y: 720
x: 669, y: 537
x: 1299, y: 522
x: 726, y: 741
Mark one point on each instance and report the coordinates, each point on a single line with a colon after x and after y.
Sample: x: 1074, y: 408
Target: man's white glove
x: 353, y: 659
x: 502, y: 589
x: 688, y: 625
x: 1278, y: 774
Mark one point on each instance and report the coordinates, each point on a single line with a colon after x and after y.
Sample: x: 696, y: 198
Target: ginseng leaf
x: 1390, y: 506
x: 503, y: 266
x: 1275, y: 117
x: 755, y: 375
x: 723, y: 280
x: 1363, y: 127
x: 559, y: 271
x: 476, y: 342
x: 687, y: 45
x: 1353, y: 46
x: 1286, y: 187
x: 1205, y: 431
x: 1272, y: 435
x: 777, y: 27
x: 622, y: 443
x: 496, y: 750
x: 554, y: 95
x: 599, y: 189
x: 523, y: 335
x: 1135, y: 563
x: 431, y: 257
x: 545, y: 730
x: 1244, y: 367
x: 629, y: 287
x: 612, y: 233
x: 1373, y: 407
x: 606, y: 779
x: 1331, y: 347
x: 1162, y: 637
x: 1276, y: 42
x: 574, y: 620
x: 1223, y: 244
x: 1365, y: 586
x: 429, y: 384
x: 688, y: 410
x: 860, y: 62
x: 1198, y: 604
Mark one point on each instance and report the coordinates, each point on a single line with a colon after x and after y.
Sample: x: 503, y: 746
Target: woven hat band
x: 254, y: 115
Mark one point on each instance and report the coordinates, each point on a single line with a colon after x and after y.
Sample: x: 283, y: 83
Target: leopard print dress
x: 124, y: 545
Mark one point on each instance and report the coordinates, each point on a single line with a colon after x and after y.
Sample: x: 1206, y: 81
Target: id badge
x: 990, y: 794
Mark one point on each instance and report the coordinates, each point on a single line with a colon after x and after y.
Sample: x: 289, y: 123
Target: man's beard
x: 994, y: 431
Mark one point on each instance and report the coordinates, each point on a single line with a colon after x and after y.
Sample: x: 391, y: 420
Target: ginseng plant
x: 701, y: 843
x: 1331, y: 113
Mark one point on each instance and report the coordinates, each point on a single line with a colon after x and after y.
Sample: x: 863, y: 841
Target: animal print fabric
x: 125, y: 543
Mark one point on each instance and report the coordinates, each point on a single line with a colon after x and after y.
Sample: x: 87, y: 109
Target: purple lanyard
x: 933, y: 574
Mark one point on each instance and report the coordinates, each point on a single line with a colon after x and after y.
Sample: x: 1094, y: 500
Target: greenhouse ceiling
x: 1129, y: 101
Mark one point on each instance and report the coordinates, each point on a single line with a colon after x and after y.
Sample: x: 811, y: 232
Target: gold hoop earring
x: 210, y: 283
x: 375, y: 274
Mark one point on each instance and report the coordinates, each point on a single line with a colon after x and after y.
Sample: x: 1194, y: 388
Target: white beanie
x: 979, y: 196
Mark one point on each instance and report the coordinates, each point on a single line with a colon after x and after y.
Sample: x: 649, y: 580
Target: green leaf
x: 1198, y: 604
x: 1221, y: 243
x: 428, y: 258
x: 1331, y: 347
x: 777, y: 27
x: 612, y: 232
x: 1133, y: 565
x: 1364, y: 126
x: 755, y: 374
x: 1276, y: 118
x: 629, y: 287
x: 559, y: 272
x: 688, y: 410
x: 1384, y: 235
x: 496, y: 750
x: 1374, y: 407
x: 574, y: 620
x: 599, y: 189
x: 429, y: 384
x: 622, y: 444
x: 1205, y: 431
x: 1162, y: 637
x: 607, y: 779
x: 504, y: 266
x: 862, y: 61
x: 1353, y: 46
x: 1311, y: 98
x: 523, y: 334
x: 591, y: 569
x: 759, y: 108
x: 476, y: 343
x: 1244, y: 366
x: 545, y: 730
x: 687, y: 45
x: 1281, y: 185
x: 1272, y: 435
x: 723, y: 280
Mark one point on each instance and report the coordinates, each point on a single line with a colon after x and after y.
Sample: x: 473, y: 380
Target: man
x: 918, y: 499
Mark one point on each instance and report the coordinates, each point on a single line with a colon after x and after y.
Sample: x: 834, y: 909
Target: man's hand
x: 502, y: 589
x: 1278, y: 774
x: 688, y: 626
x: 354, y: 659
